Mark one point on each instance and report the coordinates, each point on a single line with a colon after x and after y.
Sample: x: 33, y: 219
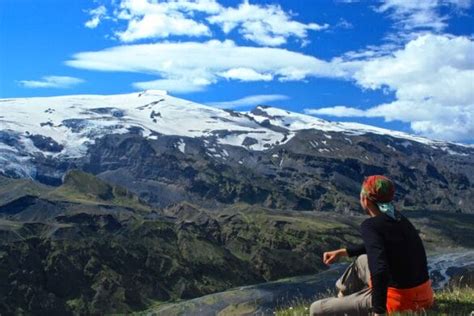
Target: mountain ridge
x: 167, y: 150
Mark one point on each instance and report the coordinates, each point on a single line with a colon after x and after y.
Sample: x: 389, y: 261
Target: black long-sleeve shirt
x: 395, y: 254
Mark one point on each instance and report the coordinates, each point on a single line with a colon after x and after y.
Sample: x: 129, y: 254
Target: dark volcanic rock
x: 314, y: 170
x: 8, y: 138
x: 108, y: 110
x: 45, y: 143
x: 75, y: 125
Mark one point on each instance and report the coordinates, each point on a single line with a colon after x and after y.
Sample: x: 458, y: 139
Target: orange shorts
x: 415, y: 298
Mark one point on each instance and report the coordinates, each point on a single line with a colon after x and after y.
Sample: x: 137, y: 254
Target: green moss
x: 11, y: 189
x: 200, y: 251
x: 78, y: 305
x: 85, y: 188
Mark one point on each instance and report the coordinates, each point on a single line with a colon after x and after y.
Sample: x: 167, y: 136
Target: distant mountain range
x: 167, y: 150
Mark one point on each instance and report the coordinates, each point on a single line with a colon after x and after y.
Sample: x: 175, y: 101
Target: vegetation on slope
x: 91, y: 248
x: 86, y: 188
x: 451, y: 301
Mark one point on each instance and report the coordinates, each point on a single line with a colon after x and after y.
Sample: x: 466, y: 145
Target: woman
x: 390, y: 272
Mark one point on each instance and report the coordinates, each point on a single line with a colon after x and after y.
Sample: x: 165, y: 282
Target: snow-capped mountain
x: 75, y: 121
x: 71, y: 123
x: 43, y: 137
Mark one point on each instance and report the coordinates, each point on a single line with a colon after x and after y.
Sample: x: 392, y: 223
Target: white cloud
x: 372, y: 51
x: 344, y: 24
x: 431, y: 66
x: 266, y: 25
x: 97, y: 15
x: 205, y: 6
x: 51, y: 82
x: 338, y: 111
x: 251, y: 100
x: 190, y: 66
x: 412, y: 19
x: 245, y: 74
x: 419, y: 15
x: 163, y: 19
x: 415, y: 14
x: 181, y: 85
x: 433, y: 81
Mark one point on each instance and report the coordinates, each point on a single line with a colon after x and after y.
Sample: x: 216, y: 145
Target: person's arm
x: 332, y: 256
x: 378, y: 266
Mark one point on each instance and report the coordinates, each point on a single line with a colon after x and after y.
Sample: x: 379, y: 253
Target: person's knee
x: 362, y: 259
x: 362, y: 263
x: 363, y: 268
x: 315, y: 309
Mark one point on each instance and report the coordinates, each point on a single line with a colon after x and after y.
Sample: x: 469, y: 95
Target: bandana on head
x: 380, y: 190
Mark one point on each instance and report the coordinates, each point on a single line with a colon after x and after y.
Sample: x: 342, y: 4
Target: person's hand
x: 330, y: 257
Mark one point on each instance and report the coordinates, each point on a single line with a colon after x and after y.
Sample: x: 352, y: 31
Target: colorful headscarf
x: 380, y: 190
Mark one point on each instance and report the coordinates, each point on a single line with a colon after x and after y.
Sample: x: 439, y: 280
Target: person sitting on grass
x: 390, y: 271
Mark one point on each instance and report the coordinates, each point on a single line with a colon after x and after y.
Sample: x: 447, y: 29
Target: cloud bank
x: 266, y: 25
x: 191, y: 66
x: 433, y: 81
x: 251, y: 100
x: 51, y: 82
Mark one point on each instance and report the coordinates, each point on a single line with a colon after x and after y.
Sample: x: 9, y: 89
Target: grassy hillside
x: 78, y: 186
x: 11, y: 189
x: 452, y: 301
x: 86, y: 188
x: 89, y: 247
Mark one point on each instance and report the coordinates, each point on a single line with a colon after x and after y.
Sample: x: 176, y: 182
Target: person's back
x: 405, y: 253
x: 397, y: 263
x: 390, y: 272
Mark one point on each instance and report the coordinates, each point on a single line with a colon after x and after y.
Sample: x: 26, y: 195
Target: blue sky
x: 398, y: 64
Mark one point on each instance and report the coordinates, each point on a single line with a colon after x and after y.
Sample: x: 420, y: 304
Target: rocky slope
x: 92, y: 248
x: 89, y: 247
x: 167, y: 150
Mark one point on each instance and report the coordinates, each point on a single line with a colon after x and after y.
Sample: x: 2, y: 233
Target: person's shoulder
x: 369, y: 222
x: 370, y: 227
x: 374, y: 220
x: 374, y: 223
